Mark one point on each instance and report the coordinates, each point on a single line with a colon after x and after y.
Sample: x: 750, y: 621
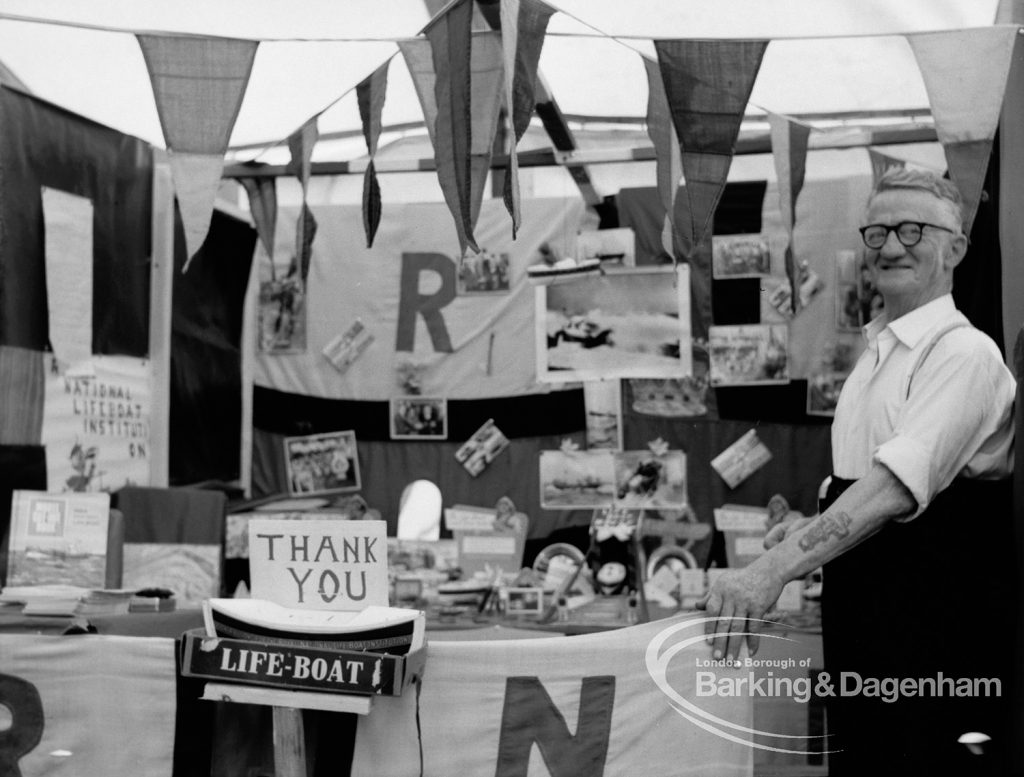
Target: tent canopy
x: 825, y: 56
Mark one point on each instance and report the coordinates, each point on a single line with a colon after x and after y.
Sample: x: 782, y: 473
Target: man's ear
x: 957, y: 251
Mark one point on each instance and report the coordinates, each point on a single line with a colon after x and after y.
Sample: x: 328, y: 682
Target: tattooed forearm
x: 826, y: 526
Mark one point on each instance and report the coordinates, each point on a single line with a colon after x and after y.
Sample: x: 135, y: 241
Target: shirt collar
x: 911, y: 327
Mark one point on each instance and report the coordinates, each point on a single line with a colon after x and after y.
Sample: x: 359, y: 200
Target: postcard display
x: 317, y: 633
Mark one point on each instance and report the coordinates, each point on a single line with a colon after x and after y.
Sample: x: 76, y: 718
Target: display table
x: 232, y: 739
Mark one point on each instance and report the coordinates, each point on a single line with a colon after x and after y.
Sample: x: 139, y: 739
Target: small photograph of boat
x: 571, y: 479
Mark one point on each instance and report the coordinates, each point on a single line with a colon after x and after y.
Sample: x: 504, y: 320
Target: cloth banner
x: 463, y: 339
x: 461, y: 100
x: 87, y: 705
x: 301, y: 143
x: 881, y: 163
x: 96, y: 424
x: 198, y: 84
x: 707, y: 84
x: 789, y: 151
x: 523, y: 24
x: 595, y: 704
x: 965, y: 73
x: 669, y: 165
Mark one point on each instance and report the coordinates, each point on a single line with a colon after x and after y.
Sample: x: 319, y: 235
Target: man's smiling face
x: 911, y: 277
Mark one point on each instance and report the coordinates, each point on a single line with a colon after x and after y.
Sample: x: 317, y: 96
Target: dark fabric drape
x: 977, y: 280
x: 42, y: 145
x: 206, y: 362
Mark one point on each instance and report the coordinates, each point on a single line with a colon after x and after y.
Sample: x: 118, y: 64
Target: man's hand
x: 738, y: 599
x: 783, y: 529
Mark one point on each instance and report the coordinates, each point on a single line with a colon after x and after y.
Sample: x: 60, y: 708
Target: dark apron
x: 935, y: 595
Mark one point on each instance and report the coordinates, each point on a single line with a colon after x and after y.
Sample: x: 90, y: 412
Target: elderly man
x: 915, y: 532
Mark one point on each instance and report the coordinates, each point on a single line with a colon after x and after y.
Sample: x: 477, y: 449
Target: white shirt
x: 957, y: 419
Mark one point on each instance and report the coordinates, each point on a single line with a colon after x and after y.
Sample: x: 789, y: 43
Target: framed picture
x: 644, y: 479
x: 577, y: 479
x: 749, y: 354
x: 484, y: 273
x: 525, y: 602
x: 624, y: 323
x: 419, y: 418
x: 740, y: 256
x: 322, y: 463
x: 282, y: 316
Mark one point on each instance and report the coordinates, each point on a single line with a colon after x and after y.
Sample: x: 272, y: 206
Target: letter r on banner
x: 412, y: 302
x: 529, y: 716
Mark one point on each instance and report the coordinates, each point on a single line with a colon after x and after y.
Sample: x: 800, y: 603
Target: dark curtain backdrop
x: 206, y: 361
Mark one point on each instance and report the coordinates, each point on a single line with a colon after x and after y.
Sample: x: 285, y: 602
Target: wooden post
x: 289, y: 743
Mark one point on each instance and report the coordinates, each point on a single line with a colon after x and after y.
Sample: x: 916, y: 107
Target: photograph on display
x: 346, y: 347
x: 482, y: 448
x: 603, y: 402
x: 483, y: 273
x: 747, y: 355
x: 669, y: 397
x: 825, y: 383
x: 524, y: 602
x: 322, y: 463
x: 419, y: 418
x: 740, y: 256
x: 624, y: 323
x: 608, y: 245
x: 645, y: 479
x: 282, y: 316
x: 741, y: 459
x: 577, y: 479
x: 857, y: 299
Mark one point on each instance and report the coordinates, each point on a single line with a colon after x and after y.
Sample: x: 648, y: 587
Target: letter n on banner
x: 529, y: 716
x: 413, y: 303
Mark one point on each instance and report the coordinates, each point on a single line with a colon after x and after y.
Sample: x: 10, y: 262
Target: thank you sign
x: 317, y: 564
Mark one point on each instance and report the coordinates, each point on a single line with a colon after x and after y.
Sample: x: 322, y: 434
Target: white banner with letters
x: 96, y: 421
x: 458, y: 330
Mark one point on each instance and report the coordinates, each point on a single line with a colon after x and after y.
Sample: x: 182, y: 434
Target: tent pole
x: 161, y: 285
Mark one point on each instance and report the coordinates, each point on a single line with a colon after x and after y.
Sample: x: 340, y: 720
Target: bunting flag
x: 707, y: 86
x: 262, y: 192
x: 669, y: 165
x: 789, y: 151
x: 881, y: 163
x: 198, y: 84
x: 370, y: 95
x: 458, y: 86
x: 523, y: 24
x: 301, y: 143
x: 965, y: 73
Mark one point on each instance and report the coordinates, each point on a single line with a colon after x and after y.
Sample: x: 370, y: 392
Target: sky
x: 314, y: 51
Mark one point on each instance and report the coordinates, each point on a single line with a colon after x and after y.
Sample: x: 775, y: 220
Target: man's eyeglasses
x: 907, y: 232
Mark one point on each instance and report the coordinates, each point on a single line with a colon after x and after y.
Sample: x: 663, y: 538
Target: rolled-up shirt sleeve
x: 958, y: 412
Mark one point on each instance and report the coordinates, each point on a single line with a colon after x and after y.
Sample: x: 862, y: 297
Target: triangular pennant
x: 968, y: 165
x: 262, y: 193
x: 196, y: 180
x: 881, y: 163
x: 305, y: 232
x: 965, y: 73
x: 454, y: 125
x: 668, y: 163
x: 198, y: 85
x: 450, y: 39
x: 371, y: 204
x: 789, y: 151
x: 300, y: 144
x: 707, y: 85
x: 370, y: 95
x: 523, y: 24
